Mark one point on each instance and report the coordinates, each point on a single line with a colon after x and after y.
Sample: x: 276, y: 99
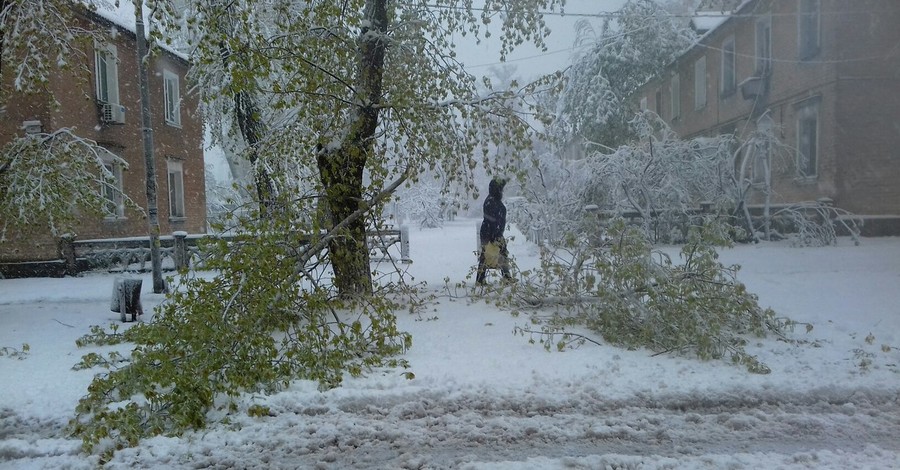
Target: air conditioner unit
x: 113, y: 113
x: 753, y: 87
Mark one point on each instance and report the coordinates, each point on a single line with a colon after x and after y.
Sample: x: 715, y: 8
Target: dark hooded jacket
x: 494, y: 213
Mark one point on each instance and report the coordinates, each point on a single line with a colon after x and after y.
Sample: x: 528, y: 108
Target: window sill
x: 811, y: 179
x: 178, y: 220
x: 174, y: 124
x: 115, y: 218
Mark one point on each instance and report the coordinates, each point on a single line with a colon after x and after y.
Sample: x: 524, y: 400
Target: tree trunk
x: 252, y: 129
x: 341, y: 170
x: 159, y: 284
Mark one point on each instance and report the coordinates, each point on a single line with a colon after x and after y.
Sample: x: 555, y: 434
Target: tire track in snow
x: 429, y: 430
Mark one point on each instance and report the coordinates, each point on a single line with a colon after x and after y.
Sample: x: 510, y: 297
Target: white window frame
x: 729, y: 62
x: 106, y: 73
x: 809, y: 29
x: 643, y: 104
x: 808, y: 146
x: 115, y: 200
x: 700, y: 83
x: 176, y: 189
x: 764, y: 46
x: 172, y: 98
x: 675, y: 93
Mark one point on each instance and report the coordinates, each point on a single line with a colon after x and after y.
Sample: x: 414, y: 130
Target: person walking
x: 491, y: 234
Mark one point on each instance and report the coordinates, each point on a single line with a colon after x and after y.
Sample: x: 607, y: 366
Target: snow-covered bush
x: 425, y: 203
x: 664, y: 179
x: 554, y: 194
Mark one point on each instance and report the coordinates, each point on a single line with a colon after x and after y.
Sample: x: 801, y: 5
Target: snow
x: 122, y: 14
x: 708, y: 21
x: 484, y: 398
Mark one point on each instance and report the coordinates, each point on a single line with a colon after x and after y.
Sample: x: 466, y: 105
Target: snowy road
x: 469, y: 431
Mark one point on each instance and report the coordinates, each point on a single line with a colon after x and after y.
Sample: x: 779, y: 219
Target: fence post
x: 404, y: 244
x: 478, y: 237
x: 181, y: 256
x: 67, y: 253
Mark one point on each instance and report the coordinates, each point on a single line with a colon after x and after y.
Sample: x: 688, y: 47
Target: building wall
x: 854, y: 78
x: 78, y: 109
x: 868, y: 107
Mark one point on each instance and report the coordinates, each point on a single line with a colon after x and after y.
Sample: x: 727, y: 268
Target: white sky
x: 529, y: 60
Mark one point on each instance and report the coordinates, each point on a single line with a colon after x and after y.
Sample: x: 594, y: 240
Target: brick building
x: 824, y: 75
x: 104, y: 106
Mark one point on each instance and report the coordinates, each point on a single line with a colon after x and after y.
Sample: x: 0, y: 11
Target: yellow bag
x: 492, y: 255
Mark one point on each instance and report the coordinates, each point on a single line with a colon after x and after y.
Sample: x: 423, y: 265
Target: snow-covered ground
x: 483, y: 398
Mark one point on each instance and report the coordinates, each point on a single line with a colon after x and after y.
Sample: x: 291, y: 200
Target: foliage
x: 14, y: 353
x: 48, y: 179
x: 634, y: 46
x: 636, y: 297
x: 266, y: 318
x: 427, y: 203
x: 38, y: 36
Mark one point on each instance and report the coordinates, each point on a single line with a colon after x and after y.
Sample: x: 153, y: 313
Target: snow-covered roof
x: 708, y: 20
x: 123, y: 16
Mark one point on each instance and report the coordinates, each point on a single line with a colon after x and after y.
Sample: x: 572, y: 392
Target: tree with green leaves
x: 361, y: 92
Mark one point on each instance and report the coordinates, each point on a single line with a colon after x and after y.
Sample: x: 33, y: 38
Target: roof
x: 123, y: 16
x: 704, y: 21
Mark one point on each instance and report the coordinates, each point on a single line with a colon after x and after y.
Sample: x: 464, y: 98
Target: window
x: 176, y: 189
x: 729, y: 82
x: 111, y: 188
x: 644, y: 103
x: 658, y: 103
x: 808, y: 17
x: 172, y: 98
x: 106, y: 72
x: 675, y: 92
x: 764, y: 47
x: 700, y: 83
x: 808, y: 138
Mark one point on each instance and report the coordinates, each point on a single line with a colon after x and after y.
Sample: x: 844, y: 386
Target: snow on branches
x: 46, y: 178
